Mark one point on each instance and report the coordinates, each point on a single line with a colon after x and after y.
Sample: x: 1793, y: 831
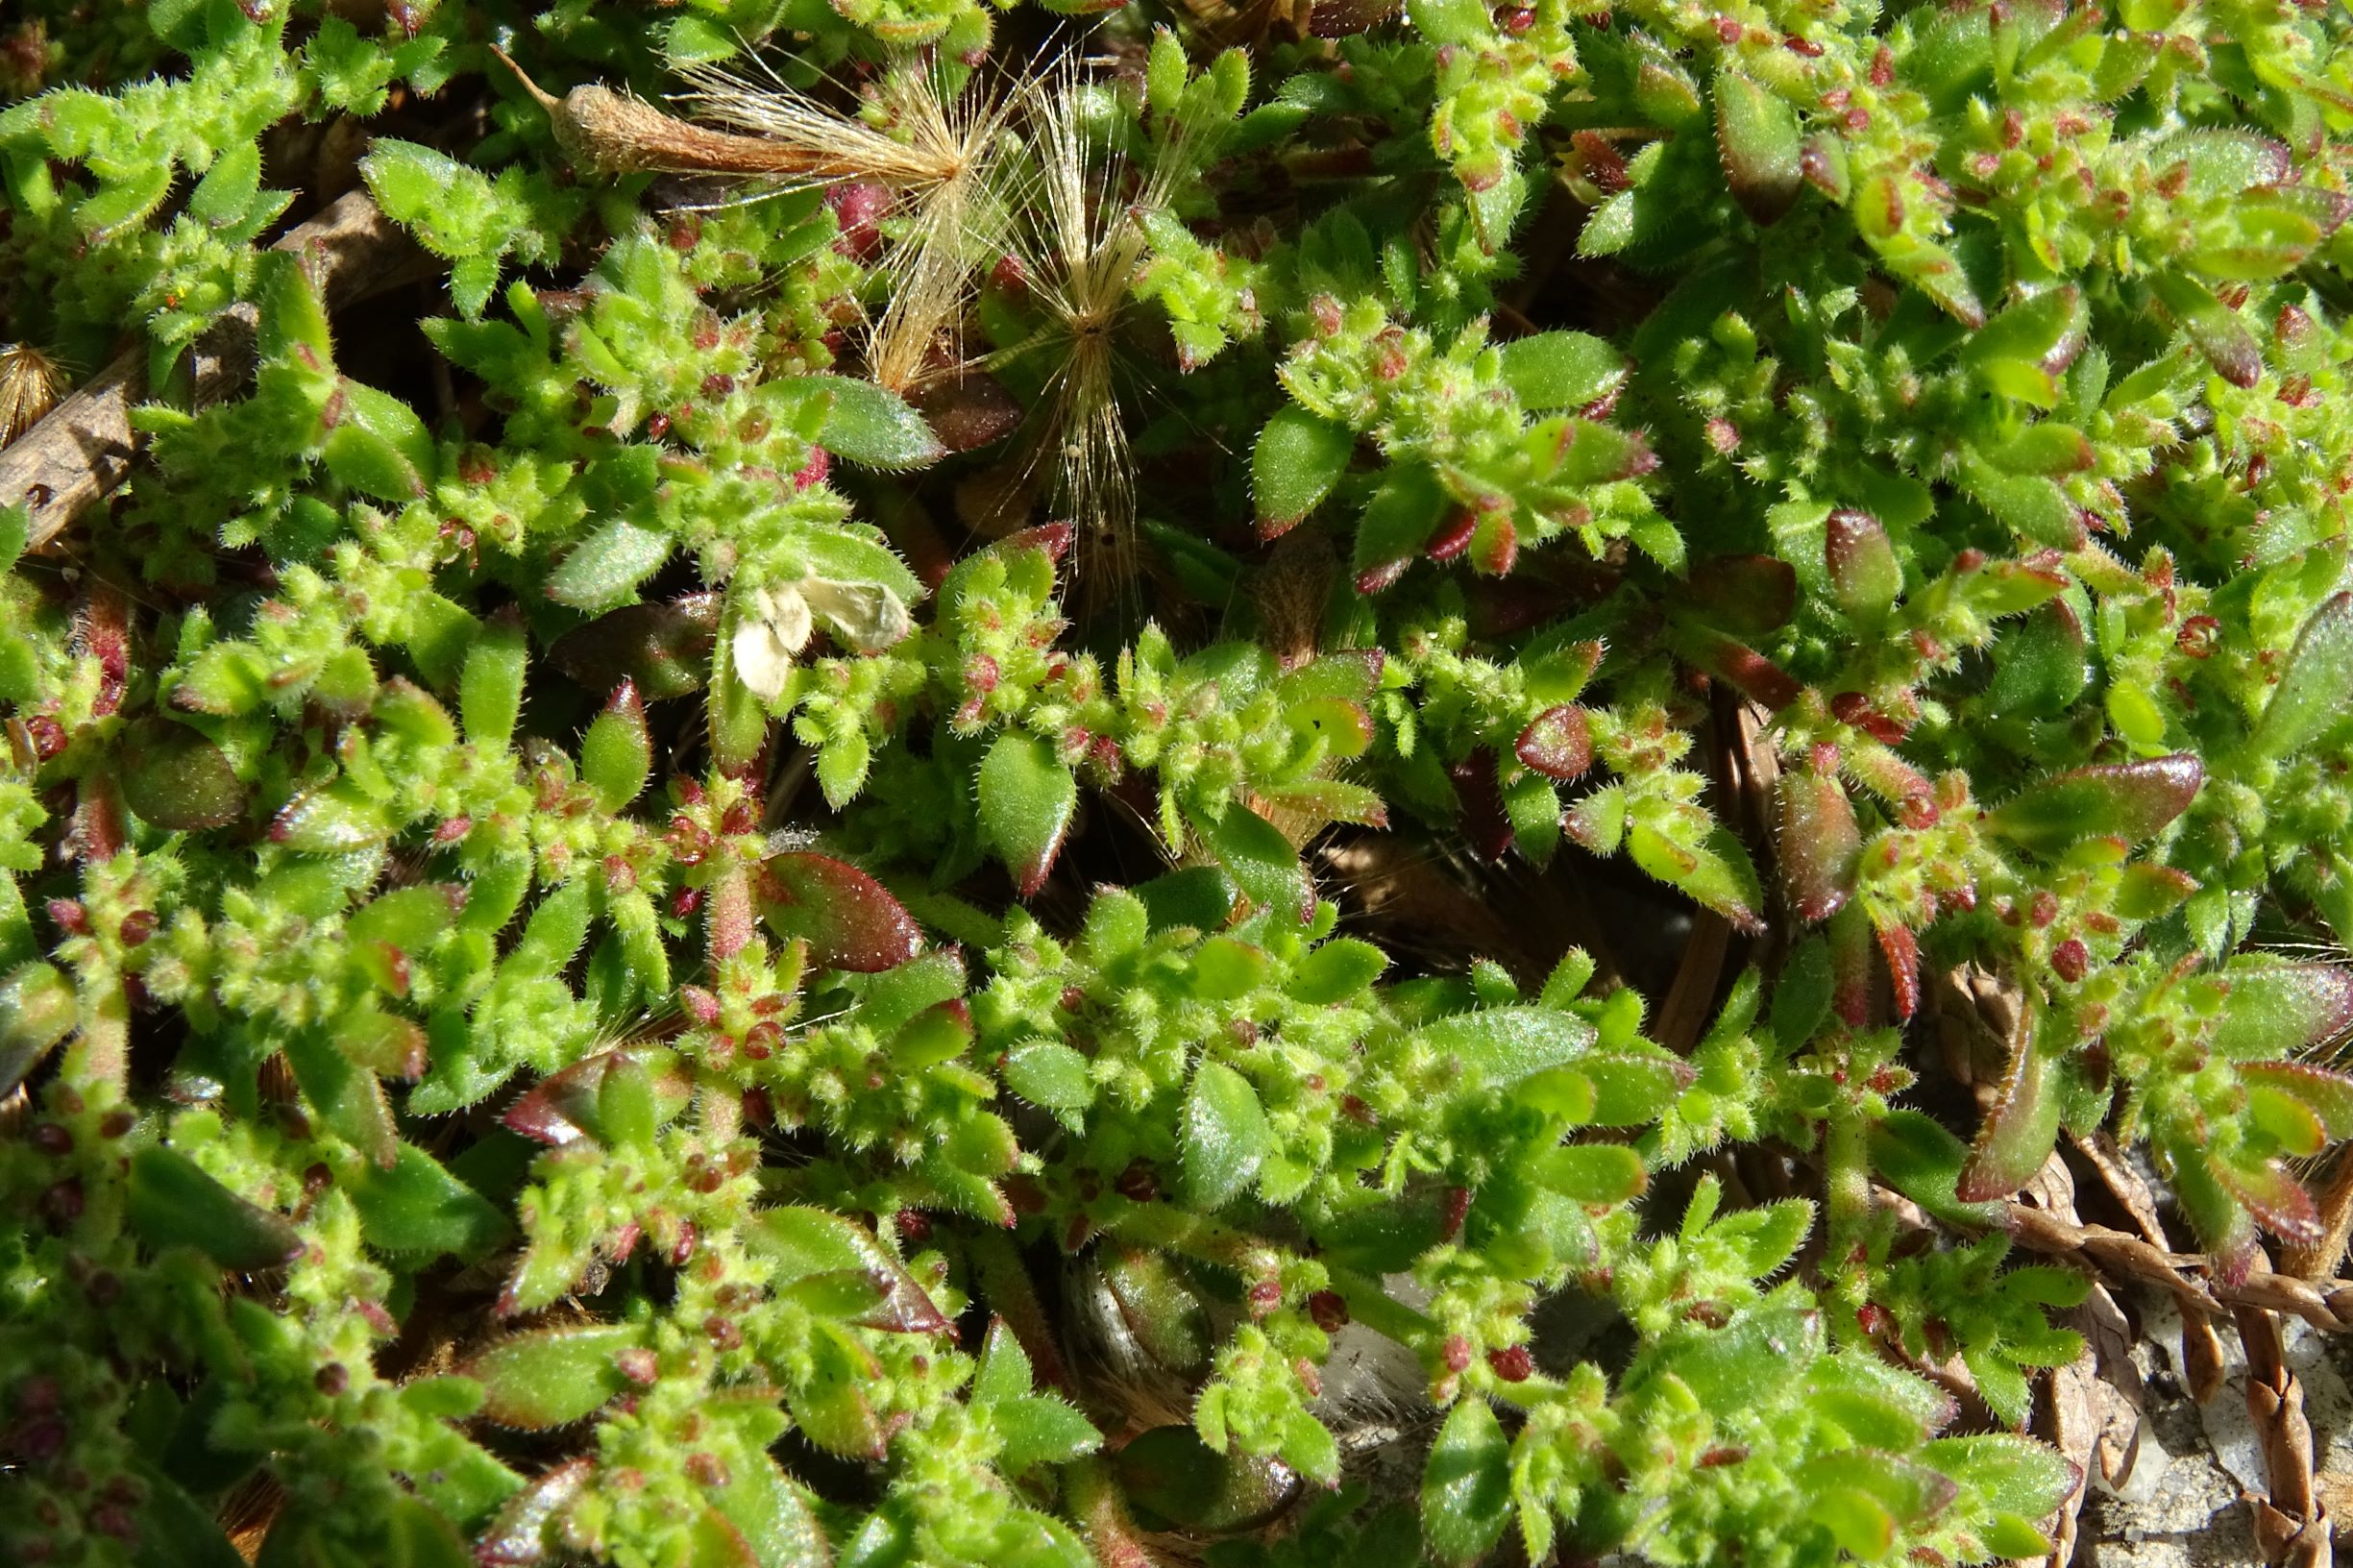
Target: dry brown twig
x: 2292, y: 1524
x: 82, y: 449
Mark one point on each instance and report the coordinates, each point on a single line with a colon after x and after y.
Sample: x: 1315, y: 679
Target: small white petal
x: 788, y: 612
x: 865, y: 615
x: 761, y: 661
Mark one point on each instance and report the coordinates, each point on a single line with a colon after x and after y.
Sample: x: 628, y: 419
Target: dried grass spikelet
x: 30, y: 382
x: 934, y: 152
x: 1078, y: 246
x: 937, y: 159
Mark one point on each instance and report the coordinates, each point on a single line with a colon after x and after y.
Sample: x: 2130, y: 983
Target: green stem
x: 1847, y: 1179
x: 1102, y: 1515
x: 1005, y: 1284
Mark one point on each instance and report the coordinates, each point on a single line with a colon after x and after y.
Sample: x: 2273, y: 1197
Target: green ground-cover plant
x: 647, y: 926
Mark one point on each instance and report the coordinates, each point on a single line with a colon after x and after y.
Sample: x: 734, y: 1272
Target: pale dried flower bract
x: 30, y: 382
x: 867, y: 617
x: 936, y: 159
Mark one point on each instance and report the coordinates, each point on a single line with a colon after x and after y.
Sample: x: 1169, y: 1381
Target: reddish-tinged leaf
x: 1453, y: 536
x: 2149, y: 892
x: 552, y: 1377
x: 1851, y: 940
x: 1559, y: 743
x: 967, y: 410
x: 390, y: 1046
x: 2327, y: 1094
x: 563, y: 1106
x: 1746, y: 596
x: 2216, y: 330
x: 728, y: 913
x: 1865, y: 576
x: 2020, y: 1131
x: 1330, y: 800
x: 1495, y: 549
x: 1754, y: 676
x: 1485, y: 821
x: 616, y: 753
x: 1053, y: 538
x: 1820, y: 846
x: 849, y: 920
x: 665, y: 650
x: 2130, y: 801
x: 2275, y: 1010
x: 1027, y: 800
x: 1902, y: 952
x: 713, y: 1541
x: 804, y: 1242
x: 518, y: 1538
x: 1762, y: 148
x: 2276, y: 1199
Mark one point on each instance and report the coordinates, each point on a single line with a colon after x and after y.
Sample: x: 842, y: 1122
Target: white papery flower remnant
x: 779, y: 621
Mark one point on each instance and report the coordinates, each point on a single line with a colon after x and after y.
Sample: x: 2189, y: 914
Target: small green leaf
x: 417, y: 1206
x: 774, y: 1516
x: 2277, y: 1009
x: 1261, y: 859
x: 2310, y: 700
x: 1398, y: 521
x: 1225, y: 1134
x: 553, y: 1376
x: 872, y: 425
x: 2019, y: 1130
x: 1758, y: 137
x: 1338, y: 971
x: 170, y: 1201
x: 1026, y: 801
x: 1177, y: 1480
x: 1562, y: 370
x: 2130, y: 801
x: 177, y: 780
x: 1592, y: 1173
x: 39, y: 1007
x: 804, y: 1242
x: 1503, y: 1045
x: 330, y: 819
x: 2213, y: 328
x: 1920, y: 1159
x: 490, y: 688
x: 348, y: 1098
x: 938, y: 1034
x: 1039, y: 1429
x: 1049, y: 1075
x: 377, y: 444
x: 2013, y: 1473
x: 616, y: 753
x: 2321, y: 1093
x: 1467, y: 1484
x: 606, y: 568
x: 1298, y: 458
x: 222, y: 197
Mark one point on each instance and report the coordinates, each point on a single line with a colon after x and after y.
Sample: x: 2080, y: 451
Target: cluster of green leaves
x: 454, y: 1076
